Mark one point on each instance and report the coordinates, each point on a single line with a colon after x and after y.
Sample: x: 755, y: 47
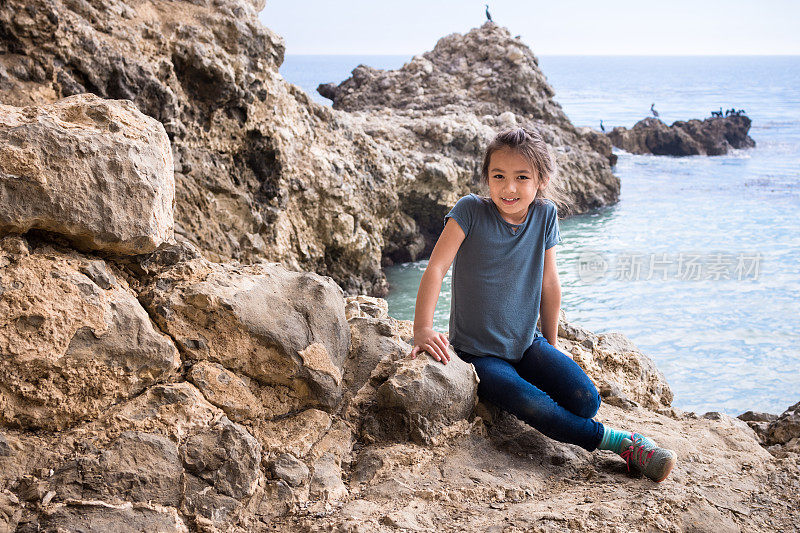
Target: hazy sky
x: 409, y: 27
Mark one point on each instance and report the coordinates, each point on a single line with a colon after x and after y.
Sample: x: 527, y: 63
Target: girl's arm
x: 425, y: 338
x: 551, y: 297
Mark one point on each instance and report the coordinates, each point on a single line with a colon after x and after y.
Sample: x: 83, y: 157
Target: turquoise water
x: 715, y: 299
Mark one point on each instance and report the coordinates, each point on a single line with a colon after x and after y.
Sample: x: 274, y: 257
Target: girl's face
x: 513, y: 184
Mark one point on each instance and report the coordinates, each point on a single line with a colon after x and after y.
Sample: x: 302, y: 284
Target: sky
x: 566, y: 27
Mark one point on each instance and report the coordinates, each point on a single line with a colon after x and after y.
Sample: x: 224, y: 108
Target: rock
x: 71, y: 348
x: 372, y: 339
x: 326, y: 481
x: 422, y: 396
x: 290, y: 469
x: 226, y: 390
x: 96, y: 516
x: 786, y: 427
x: 173, y: 410
x: 483, y: 73
x: 276, y: 500
x: 327, y: 90
x: 207, y: 506
x: 712, y: 136
x: 226, y: 457
x: 96, y: 171
x: 753, y: 416
x: 296, y: 434
x: 368, y: 306
x: 10, y: 511
x: 136, y: 467
x: 285, y: 331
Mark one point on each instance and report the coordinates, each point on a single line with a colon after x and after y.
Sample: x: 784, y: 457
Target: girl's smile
x: 513, y: 185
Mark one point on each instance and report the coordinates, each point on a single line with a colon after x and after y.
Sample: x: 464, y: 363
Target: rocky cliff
x: 260, y: 171
x: 155, y: 390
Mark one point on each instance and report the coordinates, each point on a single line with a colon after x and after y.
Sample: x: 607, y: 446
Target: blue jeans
x: 546, y: 389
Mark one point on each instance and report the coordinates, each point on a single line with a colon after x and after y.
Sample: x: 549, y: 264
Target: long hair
x: 528, y: 143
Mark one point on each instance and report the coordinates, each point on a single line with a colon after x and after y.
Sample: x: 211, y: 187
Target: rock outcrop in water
x: 712, y: 136
x: 262, y: 172
x: 159, y: 391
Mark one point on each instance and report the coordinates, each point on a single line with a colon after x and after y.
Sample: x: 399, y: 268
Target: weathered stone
x: 71, y: 349
x: 96, y: 171
x: 423, y: 395
x: 225, y: 456
x: 295, y: 434
x: 285, y: 330
x: 290, y: 469
x: 136, y: 467
x: 786, y: 427
x: 755, y: 416
x: 175, y: 411
x: 98, y: 517
x: 276, y: 500
x: 226, y: 390
x: 10, y: 511
x: 712, y: 136
x: 372, y: 339
x: 326, y: 481
x: 205, y: 503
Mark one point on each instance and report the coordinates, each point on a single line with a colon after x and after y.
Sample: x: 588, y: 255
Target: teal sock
x: 612, y: 439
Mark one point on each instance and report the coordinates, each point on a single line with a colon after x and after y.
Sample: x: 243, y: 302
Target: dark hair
x: 528, y: 143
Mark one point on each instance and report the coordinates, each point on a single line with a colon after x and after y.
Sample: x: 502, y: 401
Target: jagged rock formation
x: 468, y: 78
x: 260, y: 171
x: 712, y: 136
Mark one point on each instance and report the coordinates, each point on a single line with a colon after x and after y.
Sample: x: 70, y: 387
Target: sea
x: 699, y: 261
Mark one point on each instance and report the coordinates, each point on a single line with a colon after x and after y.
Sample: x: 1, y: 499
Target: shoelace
x: 635, y: 451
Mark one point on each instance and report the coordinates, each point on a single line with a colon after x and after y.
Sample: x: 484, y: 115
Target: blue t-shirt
x: 497, y: 277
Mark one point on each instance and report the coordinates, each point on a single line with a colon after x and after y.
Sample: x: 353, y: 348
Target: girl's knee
x: 588, y: 402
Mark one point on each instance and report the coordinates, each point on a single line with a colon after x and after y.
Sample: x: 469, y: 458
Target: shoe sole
x: 668, y: 467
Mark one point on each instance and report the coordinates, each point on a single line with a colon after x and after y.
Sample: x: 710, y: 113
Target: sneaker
x: 654, y: 462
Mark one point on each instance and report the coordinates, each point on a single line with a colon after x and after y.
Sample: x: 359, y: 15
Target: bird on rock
x: 488, y: 16
x: 653, y: 110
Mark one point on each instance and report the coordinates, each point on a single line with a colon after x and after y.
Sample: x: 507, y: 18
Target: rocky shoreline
x: 149, y: 384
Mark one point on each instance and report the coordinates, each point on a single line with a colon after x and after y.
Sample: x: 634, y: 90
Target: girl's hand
x: 427, y: 340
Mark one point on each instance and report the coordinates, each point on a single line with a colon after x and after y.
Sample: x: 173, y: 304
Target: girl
x: 504, y: 274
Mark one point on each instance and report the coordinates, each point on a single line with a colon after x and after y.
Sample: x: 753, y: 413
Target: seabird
x: 488, y: 16
x: 653, y: 110
x: 602, y: 128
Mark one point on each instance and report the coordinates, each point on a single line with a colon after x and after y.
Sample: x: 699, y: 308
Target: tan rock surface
x: 97, y: 171
x: 69, y: 348
x: 283, y: 331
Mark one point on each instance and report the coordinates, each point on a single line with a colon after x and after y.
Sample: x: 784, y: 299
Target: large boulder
x: 96, y: 171
x: 74, y: 339
x: 283, y: 332
x: 712, y: 136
